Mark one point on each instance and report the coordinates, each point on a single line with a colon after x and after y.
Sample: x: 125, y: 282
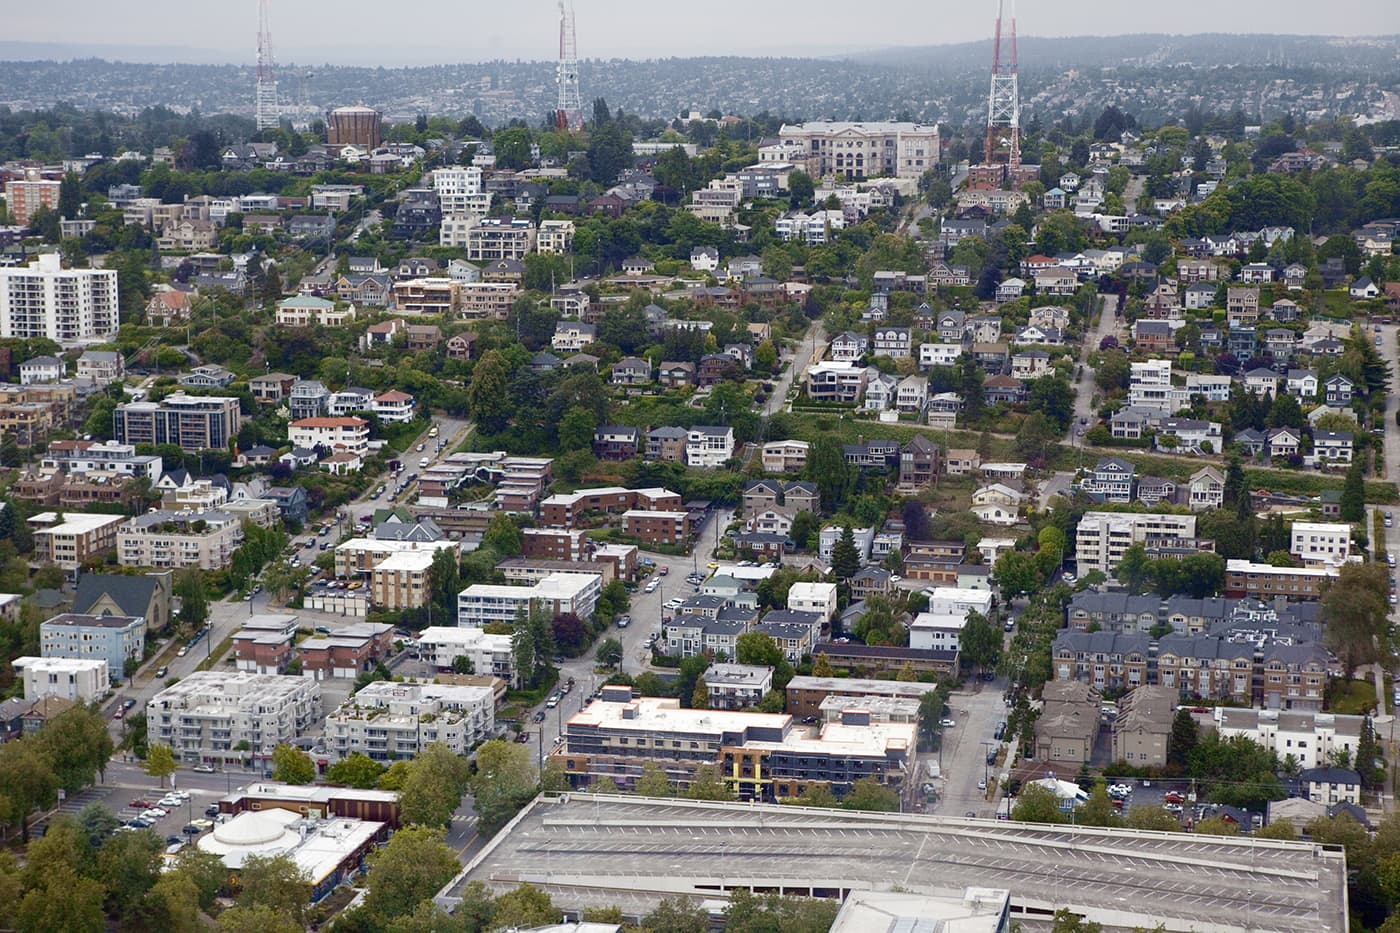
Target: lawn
x: 1352, y: 697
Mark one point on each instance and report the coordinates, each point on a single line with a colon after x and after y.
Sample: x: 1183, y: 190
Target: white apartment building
x: 813, y: 597
x: 862, y: 150
x: 359, y: 556
x: 389, y: 720
x: 77, y: 537
x: 555, y: 236
x: 1309, y: 737
x: 334, y: 434
x: 1150, y: 386
x: 490, y: 654
x: 556, y: 594
x: 1320, y: 544
x: 708, y: 446
x: 495, y: 238
x: 1103, y: 537
x: 952, y: 599
x: 736, y: 686
x: 460, y: 192
x: 937, y: 631
x: 837, y: 381
x: 81, y: 680
x: 813, y: 229
x: 107, y: 458
x: 716, y: 202
x: 784, y: 456
x: 208, y: 715
x: 44, y: 299
x: 164, y: 539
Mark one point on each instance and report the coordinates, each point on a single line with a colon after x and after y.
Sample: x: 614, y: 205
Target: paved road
x: 976, y: 710
x: 1084, y: 388
x: 1390, y: 352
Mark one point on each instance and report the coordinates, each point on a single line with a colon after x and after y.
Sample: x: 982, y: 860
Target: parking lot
x: 584, y: 850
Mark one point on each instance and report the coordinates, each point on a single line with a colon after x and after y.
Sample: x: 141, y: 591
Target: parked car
x: 946, y: 723
x: 539, y: 715
x: 128, y: 703
x: 212, y: 810
x: 203, y: 769
x: 140, y: 803
x: 162, y: 671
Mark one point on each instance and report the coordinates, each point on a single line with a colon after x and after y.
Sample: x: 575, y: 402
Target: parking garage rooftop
x: 590, y: 851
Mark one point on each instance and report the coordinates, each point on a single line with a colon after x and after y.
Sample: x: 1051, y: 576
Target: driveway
x: 976, y: 711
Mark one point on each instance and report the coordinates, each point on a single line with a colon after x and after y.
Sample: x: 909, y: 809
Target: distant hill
x: 1203, y: 50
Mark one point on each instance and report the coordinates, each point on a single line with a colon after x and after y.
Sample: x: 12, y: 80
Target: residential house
x: 631, y: 371
x: 1112, y: 480
x: 616, y: 442
x: 918, y: 463
x: 1284, y: 442
x: 893, y: 342
x: 667, y: 444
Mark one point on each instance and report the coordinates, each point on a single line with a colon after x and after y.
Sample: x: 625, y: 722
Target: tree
x: 1067, y: 921
x: 488, y: 395
x: 677, y: 915
x: 1281, y: 828
x: 821, y: 666
x: 980, y: 642
x: 444, y: 582
x: 78, y: 747
x: 1152, y: 818
x: 502, y: 535
x: 845, y: 559
x: 204, y: 870
x: 801, y: 188
x: 275, y: 882
x: 1354, y: 614
x: 1217, y: 826
x: 869, y: 794
x: 160, y: 762
x: 127, y: 866
x: 257, y: 919
x: 1184, y: 736
x: 805, y: 528
x: 97, y: 823
x: 194, y: 599
x: 432, y: 791
x: 70, y: 196
x: 706, y: 784
x: 1016, y: 573
x: 355, y: 770
x: 505, y: 780
x: 1037, y: 804
x: 609, y: 652
x: 410, y: 869
x: 827, y: 467
x: 1098, y: 809
x: 291, y: 765
x: 461, y: 664
x: 653, y: 783
x: 62, y: 902
x: 1354, y: 494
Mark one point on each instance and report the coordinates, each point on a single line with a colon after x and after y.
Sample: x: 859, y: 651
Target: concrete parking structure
x: 592, y: 851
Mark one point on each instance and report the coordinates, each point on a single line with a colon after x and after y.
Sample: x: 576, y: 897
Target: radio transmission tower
x: 265, y: 99
x: 1004, y: 102
x: 569, y: 114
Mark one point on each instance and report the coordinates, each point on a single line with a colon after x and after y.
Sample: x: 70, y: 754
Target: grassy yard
x: 1352, y: 697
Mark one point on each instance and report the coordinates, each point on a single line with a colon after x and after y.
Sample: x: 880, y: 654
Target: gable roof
x: 131, y: 594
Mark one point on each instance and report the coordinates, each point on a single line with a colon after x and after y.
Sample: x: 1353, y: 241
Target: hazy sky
x: 433, y: 31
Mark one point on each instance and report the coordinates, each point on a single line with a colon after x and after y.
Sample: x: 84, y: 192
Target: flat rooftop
x: 588, y: 850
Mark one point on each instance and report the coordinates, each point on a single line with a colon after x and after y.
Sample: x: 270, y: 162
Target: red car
x: 119, y: 714
x: 664, y: 570
x: 1172, y: 796
x: 139, y: 804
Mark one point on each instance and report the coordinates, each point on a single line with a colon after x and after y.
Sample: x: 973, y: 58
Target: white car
x: 651, y: 587
x: 673, y: 603
x: 155, y: 813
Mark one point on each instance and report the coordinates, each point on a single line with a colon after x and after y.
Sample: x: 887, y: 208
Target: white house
x: 813, y: 597
x: 1320, y: 544
x: 708, y: 446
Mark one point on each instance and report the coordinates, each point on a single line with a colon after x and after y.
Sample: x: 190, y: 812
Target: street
x: 976, y: 709
x: 1084, y: 387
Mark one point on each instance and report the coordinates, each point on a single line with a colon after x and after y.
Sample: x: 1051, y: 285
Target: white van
x: 422, y: 462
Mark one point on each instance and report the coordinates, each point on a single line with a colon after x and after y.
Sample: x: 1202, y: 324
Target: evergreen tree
x: 845, y: 559
x: 1354, y: 495
x: 1183, y: 738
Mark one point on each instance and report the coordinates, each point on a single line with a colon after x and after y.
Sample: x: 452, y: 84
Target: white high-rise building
x: 460, y: 192
x: 44, y: 299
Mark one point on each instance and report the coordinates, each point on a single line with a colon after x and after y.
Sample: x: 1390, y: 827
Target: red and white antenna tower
x: 1004, y: 102
x: 265, y: 99
x: 569, y: 113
